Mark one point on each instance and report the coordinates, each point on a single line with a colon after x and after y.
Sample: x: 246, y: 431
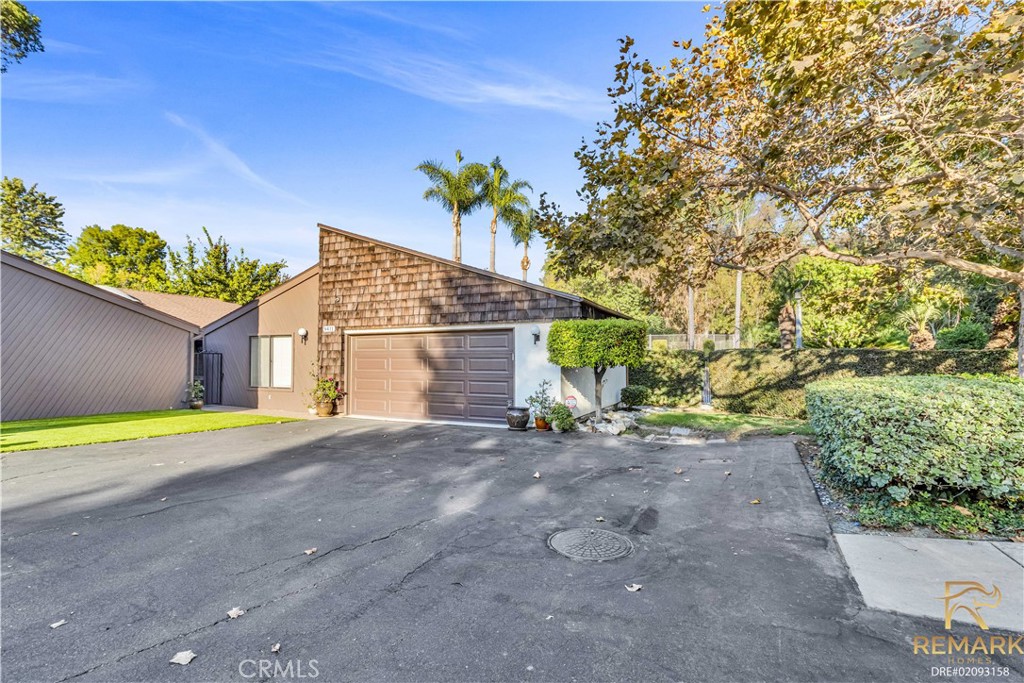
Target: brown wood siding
x: 367, y: 285
x: 66, y: 352
x: 440, y: 376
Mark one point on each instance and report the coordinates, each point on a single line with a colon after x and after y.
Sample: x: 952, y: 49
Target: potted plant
x: 562, y: 418
x: 324, y: 394
x: 196, y: 391
x: 542, y: 403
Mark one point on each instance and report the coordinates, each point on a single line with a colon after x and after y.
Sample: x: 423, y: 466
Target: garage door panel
x: 439, y: 375
x: 490, y: 341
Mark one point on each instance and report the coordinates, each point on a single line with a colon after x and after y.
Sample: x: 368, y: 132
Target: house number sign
x: 329, y: 328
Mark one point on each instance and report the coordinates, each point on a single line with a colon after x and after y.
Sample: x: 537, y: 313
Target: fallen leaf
x: 536, y: 475
x: 634, y: 587
x: 162, y: 499
x: 235, y: 612
x: 275, y: 648
x: 501, y: 459
x: 686, y: 480
x: 679, y: 470
x: 74, y: 533
x: 59, y: 623
x: 728, y: 473
x: 550, y: 616
x: 756, y: 501
x: 310, y: 551
x: 183, y: 657
x: 599, y: 519
x: 963, y: 511
x: 1018, y: 539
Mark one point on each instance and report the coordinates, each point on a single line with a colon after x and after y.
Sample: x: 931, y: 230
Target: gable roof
x: 288, y: 284
x: 9, y: 260
x: 475, y: 270
x: 197, y: 310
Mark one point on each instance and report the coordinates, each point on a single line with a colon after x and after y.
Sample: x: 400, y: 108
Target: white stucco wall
x: 532, y: 364
x: 579, y: 382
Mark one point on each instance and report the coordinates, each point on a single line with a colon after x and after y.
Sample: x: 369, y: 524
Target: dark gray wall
x: 67, y: 348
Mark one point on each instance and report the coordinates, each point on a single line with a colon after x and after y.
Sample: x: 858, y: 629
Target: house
x: 407, y: 335
x: 69, y: 348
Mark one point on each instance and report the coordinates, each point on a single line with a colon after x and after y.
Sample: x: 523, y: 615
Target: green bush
x: 594, y: 343
x: 908, y: 436
x: 966, y: 335
x: 771, y: 381
x: 673, y: 377
x: 562, y: 418
x: 633, y: 395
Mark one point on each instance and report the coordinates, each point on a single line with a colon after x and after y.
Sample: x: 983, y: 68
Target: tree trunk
x: 458, y: 239
x: 1020, y: 335
x: 691, y: 324
x: 739, y: 307
x: 598, y: 391
x: 525, y: 263
x: 456, y: 233
x: 494, y: 235
x: 921, y: 339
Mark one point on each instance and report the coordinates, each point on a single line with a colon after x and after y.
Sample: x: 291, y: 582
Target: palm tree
x: 917, y: 320
x: 457, y: 191
x: 505, y: 197
x: 523, y: 232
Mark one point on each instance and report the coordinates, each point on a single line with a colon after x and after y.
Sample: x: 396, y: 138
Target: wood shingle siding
x: 73, y: 349
x: 368, y: 284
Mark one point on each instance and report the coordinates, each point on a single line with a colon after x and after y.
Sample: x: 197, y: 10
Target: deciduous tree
x: 20, y: 30
x: 886, y: 131
x: 123, y: 256
x: 218, y: 274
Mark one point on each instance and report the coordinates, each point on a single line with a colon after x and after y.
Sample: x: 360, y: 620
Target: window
x: 270, y: 362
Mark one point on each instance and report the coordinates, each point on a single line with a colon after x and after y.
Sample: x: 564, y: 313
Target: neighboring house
x: 197, y: 310
x: 69, y: 348
x: 407, y: 335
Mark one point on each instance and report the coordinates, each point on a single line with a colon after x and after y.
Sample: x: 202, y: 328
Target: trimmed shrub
x: 633, y: 395
x: 562, y: 418
x: 771, y: 381
x: 906, y: 436
x: 673, y: 377
x: 966, y: 335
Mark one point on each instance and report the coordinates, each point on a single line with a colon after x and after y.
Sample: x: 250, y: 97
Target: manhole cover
x: 595, y: 545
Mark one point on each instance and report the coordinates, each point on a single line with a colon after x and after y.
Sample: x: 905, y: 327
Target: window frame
x: 270, y: 362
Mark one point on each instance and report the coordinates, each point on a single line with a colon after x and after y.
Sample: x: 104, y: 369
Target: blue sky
x: 258, y: 120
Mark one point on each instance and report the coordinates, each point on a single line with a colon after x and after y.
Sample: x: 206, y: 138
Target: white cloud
x: 65, y: 87
x: 220, y: 153
x: 460, y: 83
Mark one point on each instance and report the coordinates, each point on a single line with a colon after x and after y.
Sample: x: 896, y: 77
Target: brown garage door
x: 440, y: 376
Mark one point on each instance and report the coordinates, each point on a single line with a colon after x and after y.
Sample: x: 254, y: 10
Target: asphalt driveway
x: 431, y: 561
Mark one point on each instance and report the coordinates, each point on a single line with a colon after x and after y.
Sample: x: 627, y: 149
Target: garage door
x: 440, y: 376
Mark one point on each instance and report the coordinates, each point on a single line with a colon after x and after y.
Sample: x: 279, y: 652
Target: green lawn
x: 734, y: 425
x: 24, y: 435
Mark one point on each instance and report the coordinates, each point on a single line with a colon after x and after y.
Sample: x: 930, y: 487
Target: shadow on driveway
x: 431, y: 561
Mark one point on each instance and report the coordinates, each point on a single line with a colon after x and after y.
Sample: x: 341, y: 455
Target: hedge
x: 925, y: 434
x: 771, y: 381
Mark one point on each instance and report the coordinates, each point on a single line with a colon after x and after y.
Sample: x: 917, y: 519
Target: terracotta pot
x: 195, y: 404
x: 517, y: 418
x: 325, y: 408
x: 541, y: 424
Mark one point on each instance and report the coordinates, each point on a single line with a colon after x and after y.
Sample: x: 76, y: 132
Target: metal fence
x: 681, y: 341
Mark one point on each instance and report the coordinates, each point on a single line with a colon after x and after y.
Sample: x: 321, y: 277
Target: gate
x: 208, y: 371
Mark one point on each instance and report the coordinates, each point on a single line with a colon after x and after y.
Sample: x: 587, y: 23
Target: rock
x: 679, y: 431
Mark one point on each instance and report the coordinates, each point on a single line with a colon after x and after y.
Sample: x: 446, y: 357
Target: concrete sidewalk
x: 908, y: 575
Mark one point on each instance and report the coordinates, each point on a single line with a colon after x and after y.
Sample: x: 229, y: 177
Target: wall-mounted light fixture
x: 535, y: 331
x: 303, y: 334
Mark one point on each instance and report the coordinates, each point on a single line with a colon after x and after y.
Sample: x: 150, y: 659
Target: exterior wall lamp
x: 535, y: 331
x: 303, y: 334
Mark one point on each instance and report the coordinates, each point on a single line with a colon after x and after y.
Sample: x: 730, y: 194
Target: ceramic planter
x: 541, y: 424
x: 325, y: 408
x: 195, y: 404
x: 517, y: 418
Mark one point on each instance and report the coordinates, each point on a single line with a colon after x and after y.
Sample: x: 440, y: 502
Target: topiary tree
x: 597, y: 344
